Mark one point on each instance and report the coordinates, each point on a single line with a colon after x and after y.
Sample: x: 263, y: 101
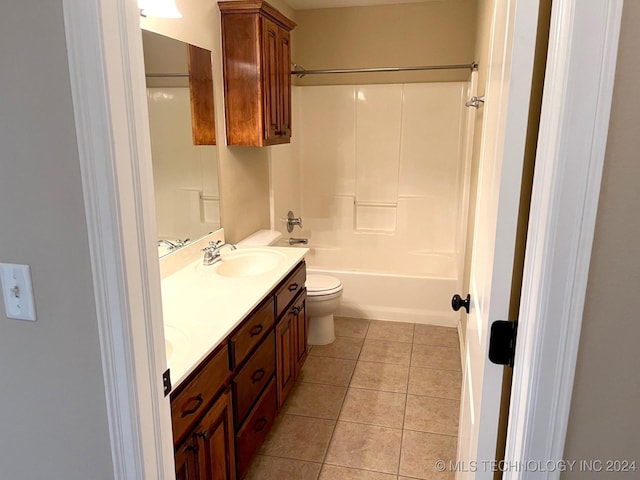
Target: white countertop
x: 202, y: 308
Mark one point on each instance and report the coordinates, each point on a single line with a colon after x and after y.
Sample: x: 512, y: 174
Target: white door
x: 504, y: 119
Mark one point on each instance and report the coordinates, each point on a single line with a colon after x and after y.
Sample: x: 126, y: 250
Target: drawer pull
x: 258, y: 375
x: 198, y: 403
x: 260, y: 424
x: 256, y: 330
x: 293, y: 287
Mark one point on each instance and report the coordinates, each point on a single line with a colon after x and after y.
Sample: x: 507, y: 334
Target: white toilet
x: 324, y: 294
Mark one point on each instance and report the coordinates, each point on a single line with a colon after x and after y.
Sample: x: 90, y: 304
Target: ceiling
x: 309, y: 4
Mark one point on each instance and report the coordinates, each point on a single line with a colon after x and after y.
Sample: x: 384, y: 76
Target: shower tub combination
x: 423, y: 297
x: 383, y: 194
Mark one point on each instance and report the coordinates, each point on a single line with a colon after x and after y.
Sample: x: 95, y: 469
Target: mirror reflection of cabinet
x: 181, y: 123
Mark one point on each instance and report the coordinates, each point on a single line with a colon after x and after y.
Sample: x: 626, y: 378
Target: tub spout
x: 298, y: 241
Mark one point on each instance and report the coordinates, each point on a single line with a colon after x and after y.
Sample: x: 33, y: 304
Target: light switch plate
x: 17, y: 291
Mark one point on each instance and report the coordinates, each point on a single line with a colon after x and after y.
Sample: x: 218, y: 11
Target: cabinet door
x: 187, y: 461
x: 284, y: 80
x: 214, y: 434
x: 286, y: 361
x: 270, y: 81
x: 301, y: 348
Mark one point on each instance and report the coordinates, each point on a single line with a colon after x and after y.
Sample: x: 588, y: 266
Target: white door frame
x: 105, y: 63
x: 574, y: 125
x: 104, y: 47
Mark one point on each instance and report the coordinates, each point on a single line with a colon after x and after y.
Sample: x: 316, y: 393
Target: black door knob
x: 457, y: 302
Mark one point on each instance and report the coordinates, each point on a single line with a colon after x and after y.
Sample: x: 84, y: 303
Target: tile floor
x: 380, y: 403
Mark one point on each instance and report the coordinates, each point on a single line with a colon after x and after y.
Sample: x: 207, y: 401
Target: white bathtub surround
x: 383, y: 186
x: 185, y: 175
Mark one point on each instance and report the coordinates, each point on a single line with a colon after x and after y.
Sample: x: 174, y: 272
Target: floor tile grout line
x: 348, y: 467
x: 369, y: 424
x: 430, y: 433
x: 434, y: 396
x: 333, y: 431
x: 404, y: 415
x: 386, y: 363
x: 434, y: 368
x: 287, y: 458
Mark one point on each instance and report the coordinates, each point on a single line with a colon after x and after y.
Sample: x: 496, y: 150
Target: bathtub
x: 421, y: 294
x: 395, y: 297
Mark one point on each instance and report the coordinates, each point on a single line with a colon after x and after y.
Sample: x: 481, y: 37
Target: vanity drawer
x: 189, y: 404
x: 253, y: 330
x: 293, y: 285
x: 249, y: 381
x: 255, y: 429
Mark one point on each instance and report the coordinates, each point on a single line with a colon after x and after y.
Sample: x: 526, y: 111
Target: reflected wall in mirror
x: 183, y: 150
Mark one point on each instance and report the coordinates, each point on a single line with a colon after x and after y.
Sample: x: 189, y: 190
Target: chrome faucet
x: 173, y: 245
x: 292, y: 221
x: 170, y: 245
x: 212, y: 252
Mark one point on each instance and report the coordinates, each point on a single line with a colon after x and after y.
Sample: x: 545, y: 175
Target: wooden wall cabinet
x: 222, y: 413
x: 256, y: 56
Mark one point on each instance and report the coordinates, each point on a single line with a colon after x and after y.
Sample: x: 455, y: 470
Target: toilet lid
x: 322, y: 285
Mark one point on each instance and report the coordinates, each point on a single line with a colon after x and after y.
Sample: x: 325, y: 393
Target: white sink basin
x: 174, y: 341
x: 247, y: 262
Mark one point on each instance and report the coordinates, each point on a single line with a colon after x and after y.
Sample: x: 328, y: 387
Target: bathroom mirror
x: 184, y: 155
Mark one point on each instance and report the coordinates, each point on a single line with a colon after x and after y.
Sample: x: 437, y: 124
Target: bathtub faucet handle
x: 291, y: 221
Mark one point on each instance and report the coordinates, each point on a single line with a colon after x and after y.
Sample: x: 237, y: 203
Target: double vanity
x: 236, y: 338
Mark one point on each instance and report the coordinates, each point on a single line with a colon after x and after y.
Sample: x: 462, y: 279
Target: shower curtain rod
x: 301, y: 71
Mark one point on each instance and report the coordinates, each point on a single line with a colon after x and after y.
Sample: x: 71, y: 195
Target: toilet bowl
x: 324, y: 294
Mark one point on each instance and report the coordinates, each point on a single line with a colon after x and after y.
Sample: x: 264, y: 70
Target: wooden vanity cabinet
x: 202, y: 429
x: 291, y: 332
x: 223, y: 412
x: 208, y: 453
x: 215, y: 441
x: 186, y: 459
x: 256, y: 56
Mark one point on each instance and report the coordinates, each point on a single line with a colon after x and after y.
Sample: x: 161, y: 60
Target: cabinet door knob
x: 193, y: 448
x: 203, y: 435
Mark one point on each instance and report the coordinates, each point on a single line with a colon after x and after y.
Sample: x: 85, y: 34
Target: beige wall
x: 243, y: 171
x: 52, y: 407
x: 604, y: 421
x: 435, y: 32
